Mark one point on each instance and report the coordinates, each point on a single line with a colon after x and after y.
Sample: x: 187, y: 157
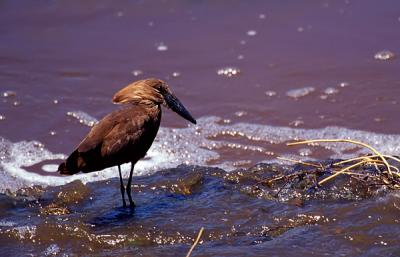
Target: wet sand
x: 255, y: 74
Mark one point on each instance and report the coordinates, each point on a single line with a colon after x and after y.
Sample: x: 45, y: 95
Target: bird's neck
x: 153, y: 110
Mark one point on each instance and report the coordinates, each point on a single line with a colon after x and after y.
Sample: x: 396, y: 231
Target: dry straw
x: 390, y: 172
x: 195, y: 242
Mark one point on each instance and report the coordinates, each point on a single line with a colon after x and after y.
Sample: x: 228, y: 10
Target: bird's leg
x: 128, y: 187
x: 122, y: 186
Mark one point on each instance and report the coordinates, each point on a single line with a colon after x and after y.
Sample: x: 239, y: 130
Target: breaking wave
x: 202, y: 144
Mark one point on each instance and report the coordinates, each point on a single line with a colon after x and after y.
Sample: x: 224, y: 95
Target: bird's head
x: 151, y: 92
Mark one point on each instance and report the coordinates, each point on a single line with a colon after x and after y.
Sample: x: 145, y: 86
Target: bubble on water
x: 55, y: 101
x: 305, y: 152
x: 300, y: 29
x: 300, y: 92
x: 25, y: 232
x: 120, y: 14
x: 262, y: 16
x: 16, y: 103
x: 4, y: 223
x: 243, y: 42
x: 240, y: 113
x: 162, y: 47
x: 228, y: 71
x: 137, y: 73
x: 331, y: 91
x: 2, y: 117
x: 52, y: 133
x: 270, y: 93
x: 344, y: 84
x: 176, y: 74
x: 384, y: 55
x: 150, y: 23
x: 83, y: 118
x: 52, y: 250
x: 251, y: 33
x: 296, y: 123
x: 9, y: 93
x: 240, y: 57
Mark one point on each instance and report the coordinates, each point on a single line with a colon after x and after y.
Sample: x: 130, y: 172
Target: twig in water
x: 195, y: 242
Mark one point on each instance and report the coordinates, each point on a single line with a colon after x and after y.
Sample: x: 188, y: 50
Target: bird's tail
x: 70, y: 166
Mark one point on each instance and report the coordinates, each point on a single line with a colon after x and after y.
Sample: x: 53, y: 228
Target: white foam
x: 197, y: 145
x: 300, y: 92
x: 384, y: 55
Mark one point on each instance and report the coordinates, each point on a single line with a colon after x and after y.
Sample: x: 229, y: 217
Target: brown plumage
x: 125, y: 135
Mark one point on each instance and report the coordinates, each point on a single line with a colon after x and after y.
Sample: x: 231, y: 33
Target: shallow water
x: 256, y: 75
x: 240, y: 217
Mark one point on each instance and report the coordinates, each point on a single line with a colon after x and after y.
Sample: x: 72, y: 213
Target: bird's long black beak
x: 178, y: 107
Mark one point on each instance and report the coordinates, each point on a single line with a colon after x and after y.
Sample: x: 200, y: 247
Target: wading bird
x: 125, y: 135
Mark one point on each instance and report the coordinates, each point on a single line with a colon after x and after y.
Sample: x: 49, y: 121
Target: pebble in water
x: 9, y: 93
x: 162, y: 47
x: 228, y: 71
x: 300, y: 92
x: 384, y: 55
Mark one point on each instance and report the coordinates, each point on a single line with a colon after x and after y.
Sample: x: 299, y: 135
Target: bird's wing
x: 114, y: 131
x: 125, y: 133
x: 97, y: 134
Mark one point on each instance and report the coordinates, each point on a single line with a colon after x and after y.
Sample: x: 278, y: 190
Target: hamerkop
x: 125, y: 135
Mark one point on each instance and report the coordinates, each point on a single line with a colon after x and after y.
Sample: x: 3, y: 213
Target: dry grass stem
x: 372, y: 169
x: 298, y: 161
x: 347, y: 141
x: 195, y: 242
x: 368, y: 156
x: 341, y: 171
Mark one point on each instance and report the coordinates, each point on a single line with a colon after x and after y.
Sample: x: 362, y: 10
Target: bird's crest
x: 145, y: 91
